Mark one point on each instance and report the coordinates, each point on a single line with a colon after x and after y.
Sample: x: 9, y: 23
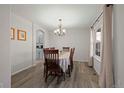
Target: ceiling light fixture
x: 60, y: 31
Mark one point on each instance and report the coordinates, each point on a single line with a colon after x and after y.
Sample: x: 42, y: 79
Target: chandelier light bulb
x: 64, y: 31
x: 58, y: 30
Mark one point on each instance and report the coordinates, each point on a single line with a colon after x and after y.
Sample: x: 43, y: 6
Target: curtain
x: 90, y: 63
x: 106, y: 75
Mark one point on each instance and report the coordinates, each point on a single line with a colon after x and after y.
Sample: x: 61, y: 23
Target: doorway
x: 39, y: 44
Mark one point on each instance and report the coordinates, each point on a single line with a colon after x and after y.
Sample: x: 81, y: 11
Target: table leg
x: 64, y: 74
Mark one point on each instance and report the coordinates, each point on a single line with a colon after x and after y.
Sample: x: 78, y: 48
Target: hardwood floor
x: 81, y: 77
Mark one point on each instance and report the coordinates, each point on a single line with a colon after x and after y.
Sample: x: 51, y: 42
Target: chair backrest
x: 66, y: 48
x: 46, y: 48
x: 72, y: 53
x: 52, y: 48
x: 51, y: 56
x: 73, y: 50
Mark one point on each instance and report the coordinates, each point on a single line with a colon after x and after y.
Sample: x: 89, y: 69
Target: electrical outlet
x: 1, y: 85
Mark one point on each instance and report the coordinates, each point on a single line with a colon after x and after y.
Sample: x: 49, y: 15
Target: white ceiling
x: 73, y: 16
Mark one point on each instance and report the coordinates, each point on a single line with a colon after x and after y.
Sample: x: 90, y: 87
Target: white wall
x: 5, y: 65
x: 21, y: 51
x: 118, y: 45
x: 80, y: 39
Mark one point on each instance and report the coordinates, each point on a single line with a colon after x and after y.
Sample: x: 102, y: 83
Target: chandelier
x: 60, y: 31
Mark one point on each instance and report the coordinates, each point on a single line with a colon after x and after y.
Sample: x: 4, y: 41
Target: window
x: 98, y: 43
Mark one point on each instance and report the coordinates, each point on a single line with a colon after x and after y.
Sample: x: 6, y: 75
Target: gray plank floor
x: 81, y: 77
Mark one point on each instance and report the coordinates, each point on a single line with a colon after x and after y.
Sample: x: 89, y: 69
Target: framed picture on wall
x: 21, y: 35
x: 12, y: 35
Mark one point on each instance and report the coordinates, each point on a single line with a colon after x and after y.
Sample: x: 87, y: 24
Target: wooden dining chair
x: 44, y: 63
x: 71, y: 59
x: 52, y: 63
x: 65, y: 48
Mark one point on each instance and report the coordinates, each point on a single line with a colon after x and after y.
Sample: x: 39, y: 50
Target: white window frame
x: 99, y: 25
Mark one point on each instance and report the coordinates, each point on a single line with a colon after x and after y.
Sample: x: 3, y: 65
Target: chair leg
x: 58, y: 79
x: 44, y: 72
x: 72, y: 67
x: 69, y: 71
x: 46, y: 76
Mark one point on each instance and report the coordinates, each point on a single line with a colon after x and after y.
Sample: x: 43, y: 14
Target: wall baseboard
x: 22, y: 70
x: 26, y: 68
